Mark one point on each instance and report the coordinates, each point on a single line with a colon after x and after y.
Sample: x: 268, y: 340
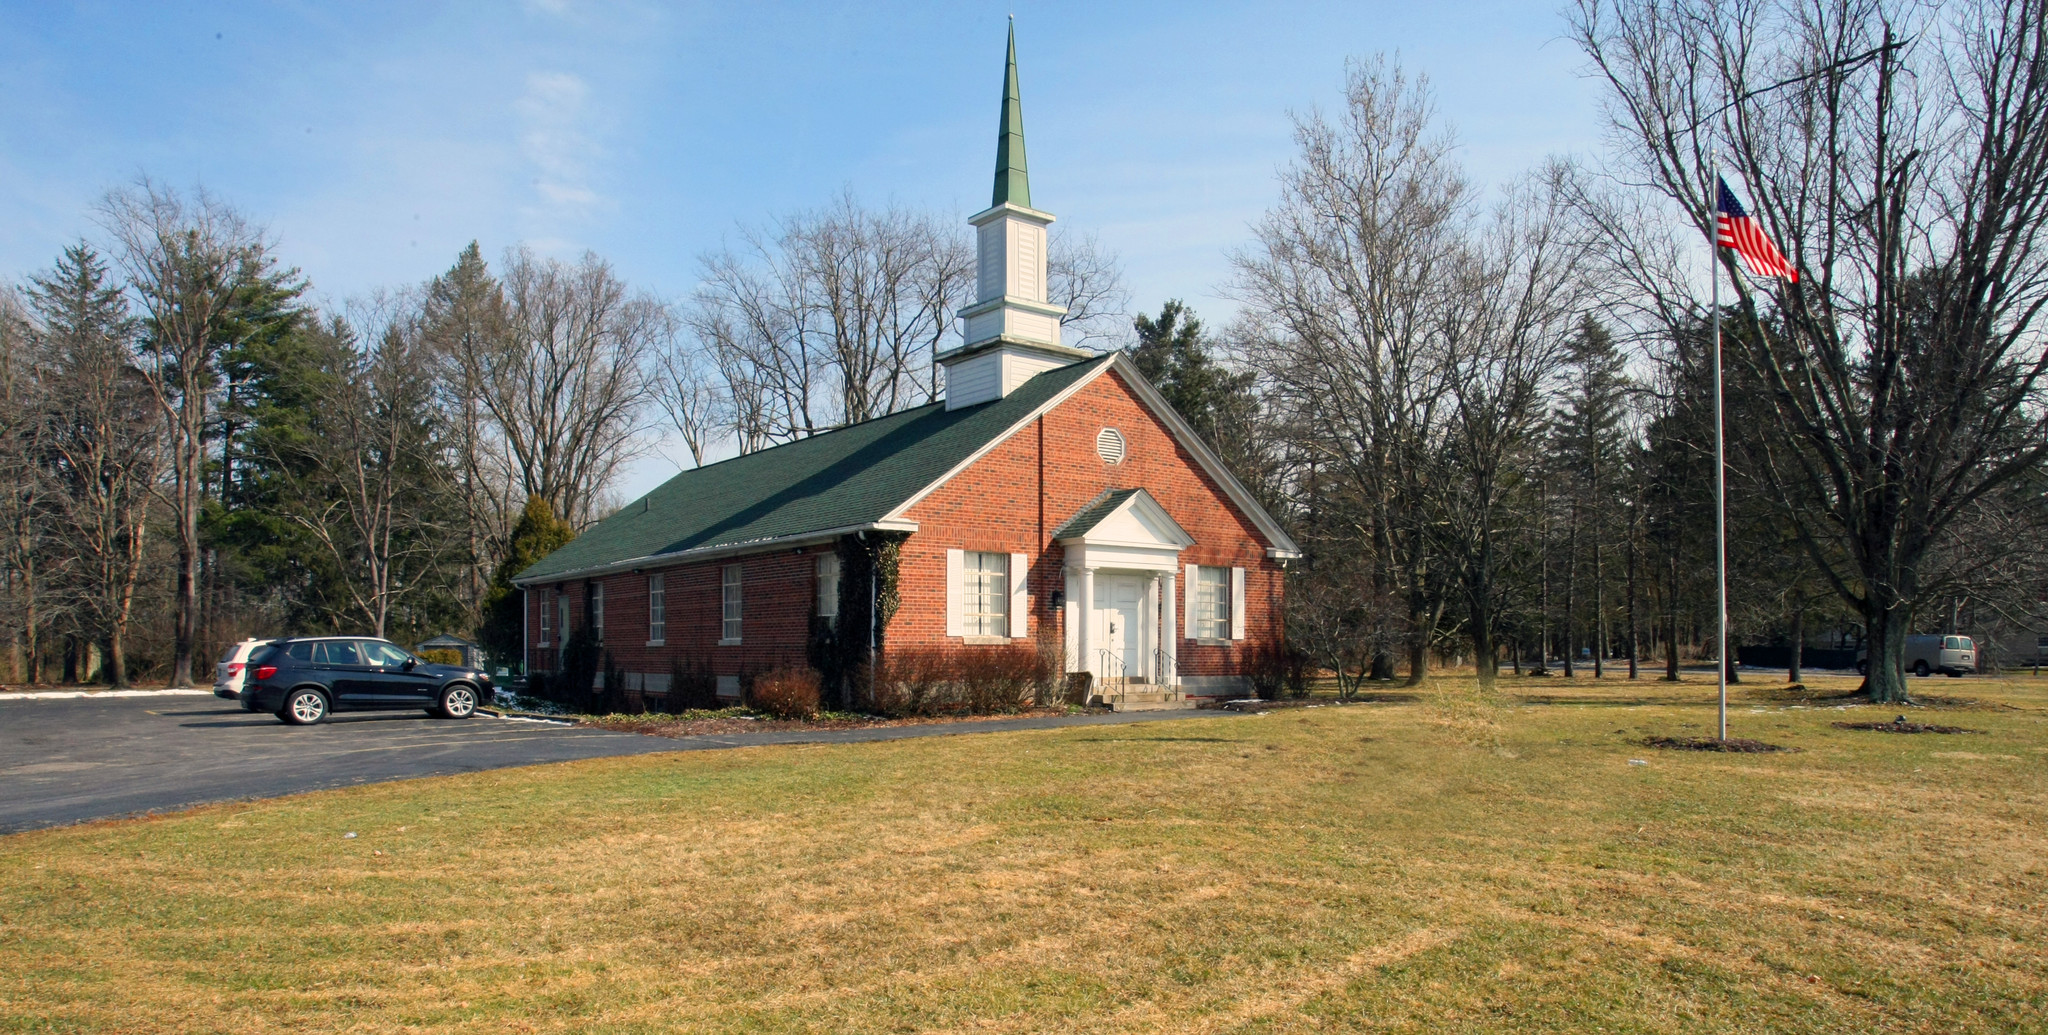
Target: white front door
x: 1118, y: 636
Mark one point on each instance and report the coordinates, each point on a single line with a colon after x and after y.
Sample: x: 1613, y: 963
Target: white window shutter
x: 1020, y: 596
x: 1237, y: 603
x: 956, y: 571
x: 1189, y: 594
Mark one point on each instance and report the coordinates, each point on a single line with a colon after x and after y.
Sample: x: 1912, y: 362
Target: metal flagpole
x: 1720, y: 482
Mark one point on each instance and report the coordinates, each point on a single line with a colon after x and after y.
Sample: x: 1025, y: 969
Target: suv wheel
x: 304, y: 707
x: 1920, y: 669
x: 457, y: 702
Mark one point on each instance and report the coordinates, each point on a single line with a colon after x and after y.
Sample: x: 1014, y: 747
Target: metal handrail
x: 1104, y: 658
x: 1166, y: 665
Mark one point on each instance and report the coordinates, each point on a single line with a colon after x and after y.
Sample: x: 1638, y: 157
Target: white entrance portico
x: 1123, y: 552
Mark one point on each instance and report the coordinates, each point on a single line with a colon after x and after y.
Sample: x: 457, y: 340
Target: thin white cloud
x: 554, y: 115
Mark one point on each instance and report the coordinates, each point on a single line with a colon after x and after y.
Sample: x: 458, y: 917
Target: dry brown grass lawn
x: 1437, y: 864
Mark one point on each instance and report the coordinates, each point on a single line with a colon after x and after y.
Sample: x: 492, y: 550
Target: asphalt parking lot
x: 68, y: 760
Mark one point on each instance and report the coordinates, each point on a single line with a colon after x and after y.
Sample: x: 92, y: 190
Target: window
x: 597, y: 611
x: 1212, y: 603
x: 336, y: 652
x: 985, y: 594
x: 544, y: 620
x: 657, y: 610
x: 300, y: 651
x: 730, y: 592
x: 828, y: 585
x: 386, y: 655
x: 562, y: 614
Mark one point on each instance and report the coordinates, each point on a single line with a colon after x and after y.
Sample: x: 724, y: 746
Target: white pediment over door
x: 1124, y: 528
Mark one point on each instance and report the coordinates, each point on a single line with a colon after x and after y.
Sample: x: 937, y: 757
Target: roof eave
x: 1280, y: 545
x: 706, y: 553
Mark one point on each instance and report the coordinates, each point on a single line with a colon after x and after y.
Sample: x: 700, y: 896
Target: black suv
x: 301, y: 680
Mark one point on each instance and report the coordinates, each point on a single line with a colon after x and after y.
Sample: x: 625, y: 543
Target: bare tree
x: 101, y: 442
x: 373, y: 483
x: 188, y: 262
x: 1898, y: 153
x: 1088, y: 280
x: 26, y: 536
x: 691, y: 395
x: 834, y: 320
x: 1354, y: 269
x: 463, y: 314
x: 1520, y: 291
x: 566, y: 385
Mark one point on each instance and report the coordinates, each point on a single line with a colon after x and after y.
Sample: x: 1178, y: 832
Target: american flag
x: 1738, y: 229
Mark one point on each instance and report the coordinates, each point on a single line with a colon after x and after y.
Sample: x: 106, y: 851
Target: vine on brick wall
x: 841, y: 654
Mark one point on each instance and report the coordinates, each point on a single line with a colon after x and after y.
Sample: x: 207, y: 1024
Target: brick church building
x: 1051, y: 497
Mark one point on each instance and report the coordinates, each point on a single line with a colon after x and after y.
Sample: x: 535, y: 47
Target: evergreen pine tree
x: 538, y: 533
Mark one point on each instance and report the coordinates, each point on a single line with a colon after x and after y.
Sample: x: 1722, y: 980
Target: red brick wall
x: 995, y: 505
x: 1009, y: 501
x: 778, y: 593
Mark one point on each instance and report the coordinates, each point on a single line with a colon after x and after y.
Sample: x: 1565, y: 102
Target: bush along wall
x: 868, y: 598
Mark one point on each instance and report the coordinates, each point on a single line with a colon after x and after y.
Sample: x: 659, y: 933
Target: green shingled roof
x: 1091, y: 515
x: 853, y: 476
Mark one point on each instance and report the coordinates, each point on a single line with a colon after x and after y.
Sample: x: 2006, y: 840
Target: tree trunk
x: 186, y: 626
x: 1418, y: 640
x: 1798, y: 638
x: 1634, y: 626
x: 1671, y: 625
x: 1885, y: 634
x: 1571, y: 592
x: 1599, y: 613
x: 1484, y: 658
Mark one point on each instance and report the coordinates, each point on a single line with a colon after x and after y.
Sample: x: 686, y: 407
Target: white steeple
x: 1011, y: 331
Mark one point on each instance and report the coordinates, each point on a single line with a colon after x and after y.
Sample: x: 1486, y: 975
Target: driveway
x: 68, y: 760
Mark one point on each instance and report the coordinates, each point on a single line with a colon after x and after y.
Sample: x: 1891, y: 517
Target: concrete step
x: 1152, y: 706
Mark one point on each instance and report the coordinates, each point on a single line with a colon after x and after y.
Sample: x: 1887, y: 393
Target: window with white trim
x: 657, y: 609
x: 828, y: 585
x: 729, y: 591
x: 562, y: 616
x: 1212, y: 603
x: 597, y: 612
x: 547, y: 607
x: 985, y: 594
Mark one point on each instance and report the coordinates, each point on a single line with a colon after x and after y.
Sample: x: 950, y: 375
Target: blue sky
x: 374, y: 140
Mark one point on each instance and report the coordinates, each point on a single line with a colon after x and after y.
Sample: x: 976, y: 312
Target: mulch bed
x: 655, y: 724
x: 1736, y: 745
x: 1900, y: 725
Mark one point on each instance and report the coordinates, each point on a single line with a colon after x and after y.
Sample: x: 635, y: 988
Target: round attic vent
x: 1110, y: 444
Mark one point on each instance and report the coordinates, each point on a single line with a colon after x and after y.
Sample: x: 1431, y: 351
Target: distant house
x: 1052, y: 496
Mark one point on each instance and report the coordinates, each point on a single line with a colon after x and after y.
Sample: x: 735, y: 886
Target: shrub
x: 573, y: 683
x: 442, y: 656
x: 691, y: 687
x: 785, y: 693
x: 1276, y: 669
x: 613, y: 697
x: 928, y: 681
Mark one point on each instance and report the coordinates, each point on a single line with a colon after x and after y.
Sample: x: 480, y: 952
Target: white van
x: 233, y: 669
x: 1926, y: 655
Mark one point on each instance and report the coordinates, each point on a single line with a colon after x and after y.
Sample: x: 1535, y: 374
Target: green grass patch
x: 1439, y: 862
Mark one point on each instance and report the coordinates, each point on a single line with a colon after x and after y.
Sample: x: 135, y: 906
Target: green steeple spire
x: 1012, y: 185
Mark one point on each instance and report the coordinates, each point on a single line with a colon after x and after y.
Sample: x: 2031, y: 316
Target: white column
x: 1148, y: 641
x: 1169, y: 628
x: 1088, y: 622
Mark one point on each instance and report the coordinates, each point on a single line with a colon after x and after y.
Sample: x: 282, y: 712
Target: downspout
x: 874, y: 597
